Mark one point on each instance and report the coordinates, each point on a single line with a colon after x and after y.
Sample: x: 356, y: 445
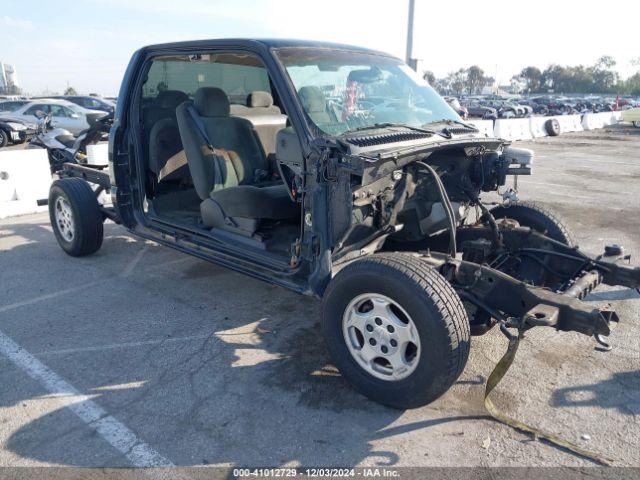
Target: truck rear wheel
x: 537, y: 217
x: 75, y: 217
x: 396, y: 329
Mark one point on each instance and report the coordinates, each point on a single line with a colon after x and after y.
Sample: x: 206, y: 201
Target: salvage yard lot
x: 202, y: 366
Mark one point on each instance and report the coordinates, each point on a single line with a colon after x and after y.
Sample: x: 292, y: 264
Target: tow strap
x: 494, y: 379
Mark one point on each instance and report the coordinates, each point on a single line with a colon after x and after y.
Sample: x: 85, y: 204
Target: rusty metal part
x: 496, y: 291
x: 584, y: 285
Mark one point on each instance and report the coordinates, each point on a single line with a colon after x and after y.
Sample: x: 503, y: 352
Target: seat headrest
x: 211, y: 102
x: 171, y: 99
x: 312, y: 98
x: 259, y: 99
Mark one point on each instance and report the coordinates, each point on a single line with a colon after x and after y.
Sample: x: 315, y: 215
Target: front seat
x: 230, y: 178
x: 315, y: 104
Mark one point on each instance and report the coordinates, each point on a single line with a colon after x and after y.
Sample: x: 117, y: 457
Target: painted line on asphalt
x: 95, y: 417
x: 59, y: 293
x: 48, y: 296
x: 113, y: 346
x: 133, y: 263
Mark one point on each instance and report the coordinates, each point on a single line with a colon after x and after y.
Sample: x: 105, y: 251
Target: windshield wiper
x: 392, y: 124
x: 453, y: 122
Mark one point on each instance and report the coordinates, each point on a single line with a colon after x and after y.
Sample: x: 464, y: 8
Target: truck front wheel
x: 396, y: 329
x: 75, y: 217
x: 538, y: 218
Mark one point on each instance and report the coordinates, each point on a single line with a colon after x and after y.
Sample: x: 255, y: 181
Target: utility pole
x: 412, y: 62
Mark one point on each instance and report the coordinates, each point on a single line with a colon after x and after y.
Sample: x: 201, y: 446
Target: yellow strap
x: 174, y: 163
x: 496, y: 376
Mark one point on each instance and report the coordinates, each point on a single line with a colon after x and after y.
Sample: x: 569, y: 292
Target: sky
x: 87, y: 44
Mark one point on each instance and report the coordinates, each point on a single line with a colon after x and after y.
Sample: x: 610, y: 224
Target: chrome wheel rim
x: 64, y: 219
x: 381, y: 337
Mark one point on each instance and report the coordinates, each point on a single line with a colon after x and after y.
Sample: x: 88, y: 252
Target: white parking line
x: 47, y: 296
x: 113, y: 431
x: 128, y: 270
x: 113, y: 346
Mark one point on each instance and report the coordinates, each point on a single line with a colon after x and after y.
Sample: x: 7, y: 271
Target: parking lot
x: 140, y: 355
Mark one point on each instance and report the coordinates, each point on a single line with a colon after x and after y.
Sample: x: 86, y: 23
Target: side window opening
x: 209, y: 129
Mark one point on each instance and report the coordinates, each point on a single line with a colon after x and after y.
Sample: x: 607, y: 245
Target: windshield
x: 342, y: 90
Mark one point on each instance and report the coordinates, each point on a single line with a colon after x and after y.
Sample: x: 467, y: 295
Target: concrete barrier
x: 537, y: 126
x: 485, y: 126
x: 616, y: 117
x: 25, y: 177
x: 512, y: 129
x: 605, y: 118
x: 592, y: 121
x: 569, y: 123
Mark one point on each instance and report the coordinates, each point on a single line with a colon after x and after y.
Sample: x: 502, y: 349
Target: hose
x: 446, y: 205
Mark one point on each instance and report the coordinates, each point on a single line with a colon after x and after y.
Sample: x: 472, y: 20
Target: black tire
x: 88, y: 229
x: 4, y: 138
x: 539, y: 218
x: 636, y: 123
x: 552, y: 126
x: 436, y: 310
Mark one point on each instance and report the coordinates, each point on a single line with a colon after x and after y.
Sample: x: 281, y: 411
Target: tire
x: 539, y: 218
x: 636, y: 123
x: 4, y: 138
x: 75, y: 217
x: 421, y: 296
x: 552, y: 126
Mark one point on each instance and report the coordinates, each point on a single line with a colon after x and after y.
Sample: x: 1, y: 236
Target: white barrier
x: 606, y: 118
x: 537, y: 126
x: 569, y: 123
x: 592, y: 121
x: 485, y: 126
x: 512, y: 129
x: 98, y: 154
x: 25, y: 177
x: 616, y: 117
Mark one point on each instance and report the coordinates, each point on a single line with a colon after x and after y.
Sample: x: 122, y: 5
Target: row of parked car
x: 492, y: 107
x: 73, y: 113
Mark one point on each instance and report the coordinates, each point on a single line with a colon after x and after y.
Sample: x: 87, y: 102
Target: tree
x: 429, y: 77
x: 475, y: 80
x: 532, y: 77
x: 457, y: 81
x: 70, y: 91
x: 603, y: 73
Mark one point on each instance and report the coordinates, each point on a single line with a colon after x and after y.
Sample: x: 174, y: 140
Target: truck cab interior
x: 215, y: 136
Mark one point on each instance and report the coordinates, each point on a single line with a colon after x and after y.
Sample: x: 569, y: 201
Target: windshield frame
x: 359, y: 55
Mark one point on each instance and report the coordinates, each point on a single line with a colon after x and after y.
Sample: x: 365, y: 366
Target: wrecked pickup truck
x: 335, y: 171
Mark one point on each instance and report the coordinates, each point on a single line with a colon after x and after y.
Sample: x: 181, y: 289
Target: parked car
x: 477, y: 110
x: 457, y: 107
x: 350, y: 203
x: 63, y: 114
x: 11, y: 105
x: 633, y: 116
x: 14, y: 130
x: 91, y: 103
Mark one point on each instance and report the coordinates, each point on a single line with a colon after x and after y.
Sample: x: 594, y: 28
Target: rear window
x: 236, y: 74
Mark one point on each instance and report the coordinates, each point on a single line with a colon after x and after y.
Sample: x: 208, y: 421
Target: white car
x: 64, y: 114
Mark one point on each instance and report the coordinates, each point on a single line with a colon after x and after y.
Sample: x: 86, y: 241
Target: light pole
x: 412, y: 62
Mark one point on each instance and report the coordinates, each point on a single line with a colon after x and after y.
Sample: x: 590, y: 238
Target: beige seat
x: 265, y: 117
x: 228, y: 177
